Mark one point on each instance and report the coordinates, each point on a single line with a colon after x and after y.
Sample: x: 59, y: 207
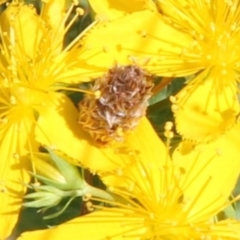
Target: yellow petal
x: 214, y: 166
x: 148, y: 149
x: 13, y: 167
x: 107, y: 224
x: 58, y: 128
x: 53, y: 14
x: 113, y: 9
x: 206, y: 108
x: 104, y: 223
x: 137, y: 42
x: 176, y: 11
x: 23, y: 26
x: 66, y: 68
x: 227, y: 229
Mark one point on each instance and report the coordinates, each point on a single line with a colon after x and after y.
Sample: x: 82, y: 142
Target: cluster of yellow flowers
x: 153, y: 191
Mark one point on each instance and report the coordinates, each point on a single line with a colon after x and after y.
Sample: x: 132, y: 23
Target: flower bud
x: 54, y: 170
x: 46, y: 196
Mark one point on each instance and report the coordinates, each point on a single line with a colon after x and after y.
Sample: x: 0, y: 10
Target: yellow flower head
x: 175, y: 39
x: 214, y: 52
x: 163, y: 198
x: 34, y: 66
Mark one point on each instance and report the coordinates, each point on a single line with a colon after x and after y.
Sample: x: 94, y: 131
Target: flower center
x: 221, y: 49
x: 24, y: 100
x: 20, y: 96
x: 26, y: 96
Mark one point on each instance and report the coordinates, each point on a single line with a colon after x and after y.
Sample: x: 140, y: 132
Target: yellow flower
x: 110, y: 9
x: 164, y: 198
x: 174, y: 39
x: 34, y: 66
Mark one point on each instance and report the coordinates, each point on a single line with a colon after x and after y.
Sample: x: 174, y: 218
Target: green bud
x: 54, y: 170
x: 62, y: 180
x: 45, y: 196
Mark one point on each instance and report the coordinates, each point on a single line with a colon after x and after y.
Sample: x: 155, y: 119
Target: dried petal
x: 124, y: 94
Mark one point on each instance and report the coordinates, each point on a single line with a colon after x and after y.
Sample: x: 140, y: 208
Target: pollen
x: 80, y: 11
x: 89, y: 206
x: 86, y: 197
x: 119, y: 103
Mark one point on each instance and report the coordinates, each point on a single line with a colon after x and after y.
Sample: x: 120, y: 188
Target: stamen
x: 79, y: 12
x: 77, y: 90
x: 89, y: 206
x: 86, y: 197
x: 97, y: 94
x: 168, y: 133
x: 75, y: 42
